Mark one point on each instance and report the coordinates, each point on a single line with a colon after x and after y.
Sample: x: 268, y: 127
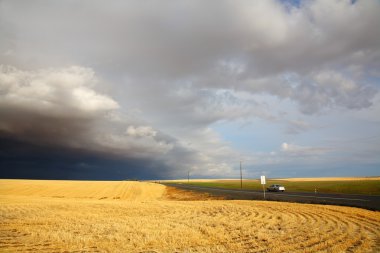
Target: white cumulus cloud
x: 53, y: 91
x: 141, y: 131
x: 298, y: 150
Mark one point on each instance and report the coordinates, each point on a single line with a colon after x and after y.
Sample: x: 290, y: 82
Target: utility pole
x: 241, y: 177
x: 188, y: 176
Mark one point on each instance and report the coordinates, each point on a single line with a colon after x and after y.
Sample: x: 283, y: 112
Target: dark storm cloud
x: 36, y: 161
x: 54, y: 115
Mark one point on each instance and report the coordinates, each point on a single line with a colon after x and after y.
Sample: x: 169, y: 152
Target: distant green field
x: 368, y: 187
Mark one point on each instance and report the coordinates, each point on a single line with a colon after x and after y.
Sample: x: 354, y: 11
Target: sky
x: 111, y: 90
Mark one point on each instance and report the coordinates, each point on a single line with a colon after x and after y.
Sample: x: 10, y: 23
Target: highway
x: 371, y: 202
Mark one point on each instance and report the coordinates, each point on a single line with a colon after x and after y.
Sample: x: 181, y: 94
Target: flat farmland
x: 130, y: 190
x: 367, y: 186
x: 85, y: 216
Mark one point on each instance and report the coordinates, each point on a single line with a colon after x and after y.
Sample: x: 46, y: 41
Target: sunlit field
x: 347, y: 185
x: 85, y: 216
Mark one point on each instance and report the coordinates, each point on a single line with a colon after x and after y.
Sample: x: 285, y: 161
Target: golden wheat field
x: 85, y: 216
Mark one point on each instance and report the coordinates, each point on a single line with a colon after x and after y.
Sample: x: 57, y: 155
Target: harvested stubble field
x: 74, y: 216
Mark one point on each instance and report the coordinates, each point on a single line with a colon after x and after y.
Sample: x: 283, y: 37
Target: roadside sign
x: 263, y: 183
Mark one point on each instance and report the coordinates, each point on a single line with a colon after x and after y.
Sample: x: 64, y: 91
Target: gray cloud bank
x: 136, y: 86
x: 59, y: 108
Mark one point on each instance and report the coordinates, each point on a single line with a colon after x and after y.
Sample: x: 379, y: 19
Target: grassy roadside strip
x: 345, y: 187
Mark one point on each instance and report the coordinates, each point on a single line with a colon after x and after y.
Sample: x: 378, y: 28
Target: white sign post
x: 263, y: 183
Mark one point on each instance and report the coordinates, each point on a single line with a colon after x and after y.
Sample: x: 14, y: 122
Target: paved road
x: 371, y: 202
